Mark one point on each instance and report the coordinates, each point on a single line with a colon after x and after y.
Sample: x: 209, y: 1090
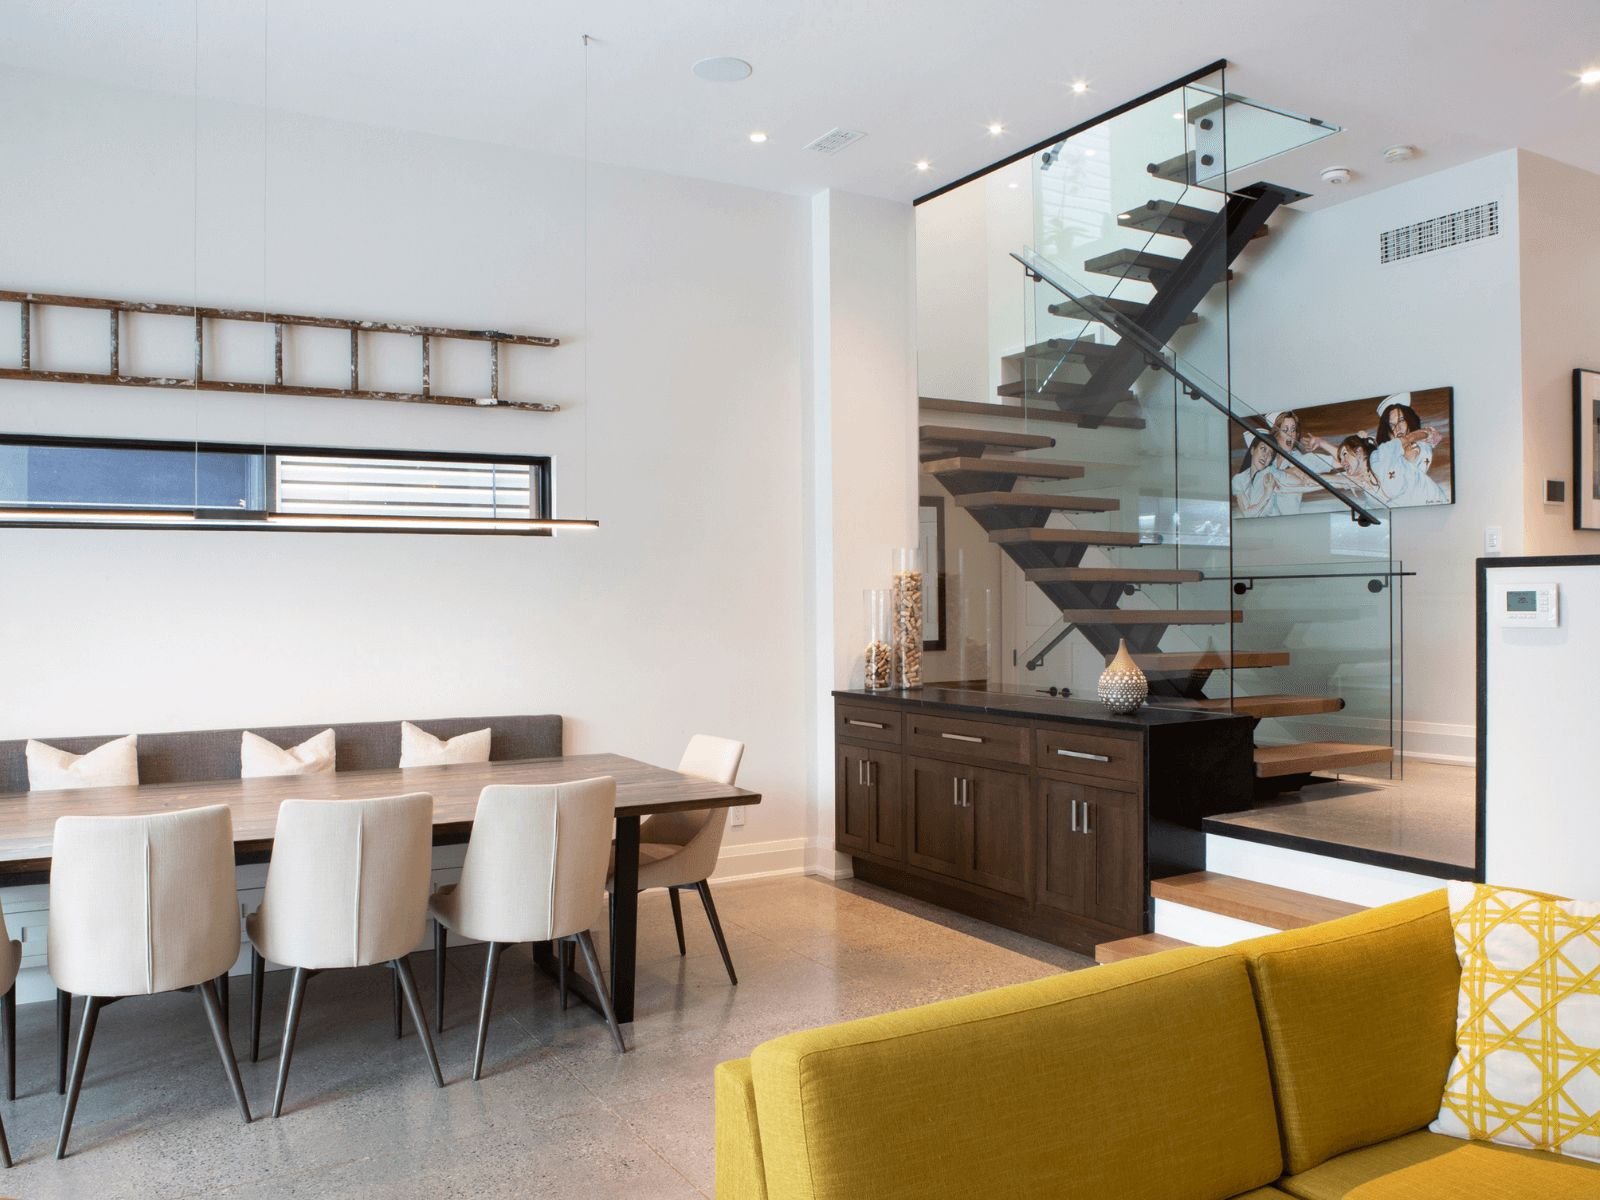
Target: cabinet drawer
x: 1101, y: 755
x: 982, y: 741
x: 867, y: 723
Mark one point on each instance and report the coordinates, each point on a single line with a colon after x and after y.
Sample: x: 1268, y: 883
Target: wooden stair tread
x: 1246, y: 900
x: 1209, y: 660
x: 1065, y: 537
x: 1136, y: 947
x: 1037, y: 500
x: 1132, y: 309
x: 1039, y: 410
x: 955, y: 435
x: 1175, y: 169
x: 1174, y: 220
x: 1053, y: 350
x: 1274, y: 705
x: 1059, y: 389
x: 1297, y: 758
x: 1132, y: 264
x: 1015, y: 468
x: 1151, y: 616
x: 1110, y: 575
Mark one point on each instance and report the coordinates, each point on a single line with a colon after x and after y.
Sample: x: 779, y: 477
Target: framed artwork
x: 1585, y: 449
x: 1396, y: 451
x: 930, y: 540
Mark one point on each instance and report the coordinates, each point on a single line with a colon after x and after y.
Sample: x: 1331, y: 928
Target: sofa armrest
x: 740, y: 1174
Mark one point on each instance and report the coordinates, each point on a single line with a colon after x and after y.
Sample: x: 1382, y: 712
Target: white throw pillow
x: 419, y: 748
x: 259, y: 758
x: 115, y: 764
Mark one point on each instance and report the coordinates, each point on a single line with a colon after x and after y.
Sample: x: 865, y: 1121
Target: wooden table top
x: 27, y: 819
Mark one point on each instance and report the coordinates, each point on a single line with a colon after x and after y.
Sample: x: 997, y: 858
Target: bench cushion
x: 1430, y: 1166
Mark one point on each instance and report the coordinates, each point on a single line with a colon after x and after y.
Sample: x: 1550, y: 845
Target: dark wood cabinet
x: 1040, y: 814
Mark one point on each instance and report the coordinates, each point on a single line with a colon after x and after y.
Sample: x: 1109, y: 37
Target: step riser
x: 1314, y: 874
x: 1200, y: 928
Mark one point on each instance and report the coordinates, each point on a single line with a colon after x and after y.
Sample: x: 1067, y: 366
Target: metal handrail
x: 1155, y: 352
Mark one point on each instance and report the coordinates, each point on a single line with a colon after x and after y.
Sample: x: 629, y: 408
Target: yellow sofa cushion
x: 1359, y: 1016
x: 1430, y: 1166
x: 1143, y: 1080
x: 740, y: 1174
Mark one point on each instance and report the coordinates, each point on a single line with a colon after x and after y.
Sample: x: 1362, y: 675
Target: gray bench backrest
x: 193, y: 756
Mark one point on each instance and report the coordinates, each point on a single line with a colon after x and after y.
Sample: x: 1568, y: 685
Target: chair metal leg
x: 91, y: 1015
x: 216, y: 1014
x: 8, y: 1013
x: 440, y: 938
x: 291, y: 1024
x: 394, y: 980
x: 258, y: 981
x: 224, y: 999
x: 5, y: 1146
x: 704, y: 889
x: 561, y: 971
x: 491, y: 971
x: 63, y: 1023
x: 677, y: 920
x: 408, y: 984
x: 586, y: 944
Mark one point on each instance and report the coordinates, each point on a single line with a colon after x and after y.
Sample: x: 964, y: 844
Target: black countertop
x: 1036, y: 706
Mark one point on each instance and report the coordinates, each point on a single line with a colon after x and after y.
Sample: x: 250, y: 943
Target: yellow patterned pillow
x: 1527, y: 1067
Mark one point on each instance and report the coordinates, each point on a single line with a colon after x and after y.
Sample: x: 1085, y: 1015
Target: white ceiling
x: 923, y: 78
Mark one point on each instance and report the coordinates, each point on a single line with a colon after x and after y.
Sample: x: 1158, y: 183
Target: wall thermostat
x: 1531, y: 605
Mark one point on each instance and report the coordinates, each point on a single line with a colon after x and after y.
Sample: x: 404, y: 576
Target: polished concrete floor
x: 1430, y: 813
x: 558, y: 1112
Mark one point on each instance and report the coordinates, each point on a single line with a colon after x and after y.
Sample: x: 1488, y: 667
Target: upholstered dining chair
x: 10, y: 961
x: 535, y: 871
x: 141, y: 905
x: 347, y: 887
x: 679, y: 850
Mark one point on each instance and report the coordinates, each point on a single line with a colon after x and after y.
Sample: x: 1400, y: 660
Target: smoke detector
x: 1396, y: 154
x: 722, y: 69
x: 1338, y: 175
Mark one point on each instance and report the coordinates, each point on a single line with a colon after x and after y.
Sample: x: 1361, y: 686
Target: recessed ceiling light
x: 996, y: 128
x: 722, y: 69
x: 1079, y: 87
x: 923, y: 164
x: 1177, y: 116
x: 758, y: 136
x: 1011, y: 185
x: 1088, y: 153
x: 1590, y: 77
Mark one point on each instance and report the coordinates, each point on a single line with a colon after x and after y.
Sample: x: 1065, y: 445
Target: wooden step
x: 1037, y: 500
x: 1276, y: 705
x: 1297, y: 758
x: 1180, y: 167
x: 1039, y: 408
x: 1009, y: 468
x: 1053, y: 350
x: 1174, y: 220
x: 1110, y: 575
x: 939, y: 438
x: 1061, y: 390
x: 1246, y: 900
x: 1065, y: 537
x: 1135, y: 947
x: 1143, y: 265
x: 1151, y: 616
x: 1167, y: 663
x: 1131, y: 309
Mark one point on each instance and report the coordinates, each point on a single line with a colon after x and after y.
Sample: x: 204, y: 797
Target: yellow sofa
x: 1305, y: 1065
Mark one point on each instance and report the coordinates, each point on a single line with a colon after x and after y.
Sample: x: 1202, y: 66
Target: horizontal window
x: 71, y: 481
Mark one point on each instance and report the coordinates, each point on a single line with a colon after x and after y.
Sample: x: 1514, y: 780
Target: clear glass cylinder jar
x: 878, y: 652
x: 907, y: 617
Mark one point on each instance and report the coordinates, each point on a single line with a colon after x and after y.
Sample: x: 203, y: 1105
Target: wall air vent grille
x: 1440, y: 233
x: 835, y: 140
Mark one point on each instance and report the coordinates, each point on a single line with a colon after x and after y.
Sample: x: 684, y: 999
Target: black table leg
x: 625, y: 920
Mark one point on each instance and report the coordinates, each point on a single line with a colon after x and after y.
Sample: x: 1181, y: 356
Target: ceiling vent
x: 835, y: 140
x: 1440, y: 233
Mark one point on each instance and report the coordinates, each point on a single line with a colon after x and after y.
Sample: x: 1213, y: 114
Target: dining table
x: 27, y: 821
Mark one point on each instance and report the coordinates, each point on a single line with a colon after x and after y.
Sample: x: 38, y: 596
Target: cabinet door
x: 936, y: 826
x: 886, y: 829
x: 1066, y: 856
x: 998, y: 804
x: 1115, y: 824
x: 852, y: 801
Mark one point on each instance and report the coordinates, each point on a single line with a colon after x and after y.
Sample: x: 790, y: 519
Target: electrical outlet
x: 1491, y: 539
x: 736, y: 817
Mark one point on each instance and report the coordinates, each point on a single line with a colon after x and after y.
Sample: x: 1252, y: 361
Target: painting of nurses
x: 1393, y: 451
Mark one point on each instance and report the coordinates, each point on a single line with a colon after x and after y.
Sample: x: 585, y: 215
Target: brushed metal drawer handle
x: 963, y: 737
x: 1105, y: 758
x: 865, y: 724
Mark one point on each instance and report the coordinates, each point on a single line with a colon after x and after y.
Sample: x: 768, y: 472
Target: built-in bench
x: 194, y: 756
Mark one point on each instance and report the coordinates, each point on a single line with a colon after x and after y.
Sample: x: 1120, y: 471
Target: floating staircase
x: 1246, y: 900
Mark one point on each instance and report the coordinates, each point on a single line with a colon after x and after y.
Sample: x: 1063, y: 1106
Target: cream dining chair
x: 679, y: 850
x: 535, y: 871
x: 10, y: 961
x: 141, y: 905
x: 347, y: 887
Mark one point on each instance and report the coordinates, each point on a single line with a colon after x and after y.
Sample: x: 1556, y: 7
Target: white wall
x: 684, y: 612
x: 1319, y: 320
x: 1560, y: 246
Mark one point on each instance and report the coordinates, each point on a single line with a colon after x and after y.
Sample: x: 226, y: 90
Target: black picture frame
x: 1586, y: 449
x: 933, y: 567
